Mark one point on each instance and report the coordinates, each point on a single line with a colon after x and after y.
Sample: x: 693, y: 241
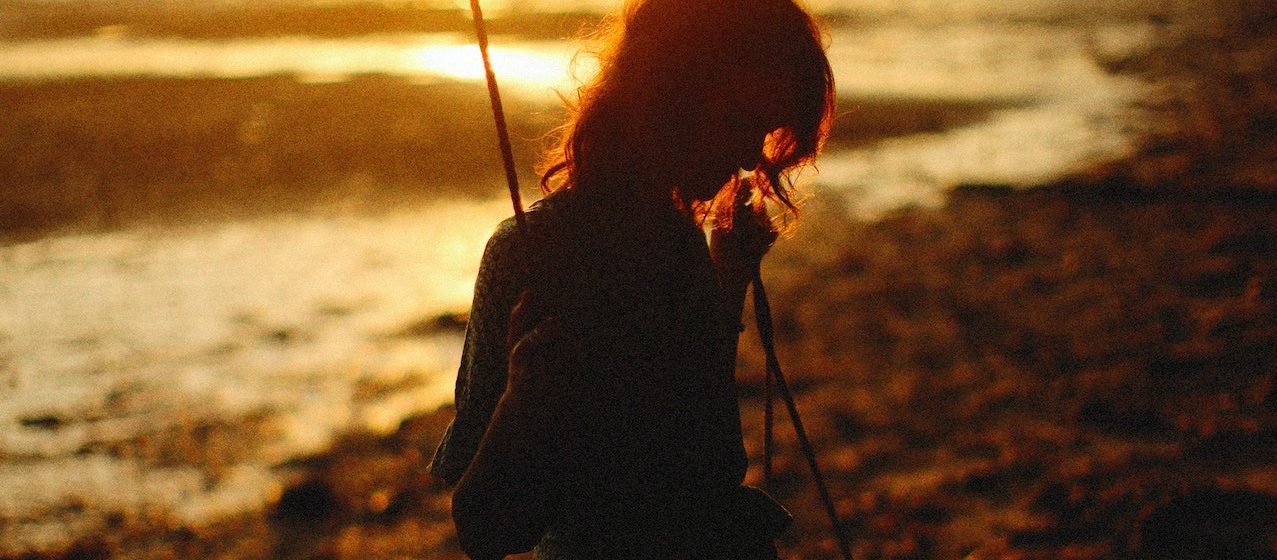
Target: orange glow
x: 530, y: 68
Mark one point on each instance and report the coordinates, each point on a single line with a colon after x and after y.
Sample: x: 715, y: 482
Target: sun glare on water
x: 531, y: 68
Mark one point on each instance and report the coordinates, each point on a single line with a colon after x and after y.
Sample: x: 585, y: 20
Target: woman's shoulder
x: 556, y: 209
x: 551, y: 221
x: 556, y: 217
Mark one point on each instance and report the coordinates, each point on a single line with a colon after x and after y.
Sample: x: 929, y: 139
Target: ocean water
x: 110, y: 339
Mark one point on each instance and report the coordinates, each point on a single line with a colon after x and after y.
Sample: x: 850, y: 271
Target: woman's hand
x: 539, y: 345
x: 510, y: 491
x: 737, y: 252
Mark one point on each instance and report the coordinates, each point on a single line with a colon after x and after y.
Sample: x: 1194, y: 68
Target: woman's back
x: 649, y: 441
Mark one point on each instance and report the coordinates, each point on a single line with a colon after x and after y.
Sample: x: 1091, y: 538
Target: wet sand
x: 105, y: 153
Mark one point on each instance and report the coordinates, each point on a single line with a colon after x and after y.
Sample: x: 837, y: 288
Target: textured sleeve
x: 481, y: 379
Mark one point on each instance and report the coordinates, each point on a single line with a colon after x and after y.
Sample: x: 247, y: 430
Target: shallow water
x: 1064, y: 113
x: 106, y: 339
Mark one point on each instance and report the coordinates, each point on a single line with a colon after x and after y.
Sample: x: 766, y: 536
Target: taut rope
x: 763, y: 318
x: 498, y: 114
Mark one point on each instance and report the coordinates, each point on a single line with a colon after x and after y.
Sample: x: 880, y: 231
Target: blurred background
x: 1028, y: 311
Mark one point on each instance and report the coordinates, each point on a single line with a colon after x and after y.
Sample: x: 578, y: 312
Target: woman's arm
x: 503, y: 501
x: 482, y: 376
x: 737, y: 253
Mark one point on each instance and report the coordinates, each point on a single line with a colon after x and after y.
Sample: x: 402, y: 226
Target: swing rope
x: 762, y: 310
x: 498, y: 114
x: 763, y: 318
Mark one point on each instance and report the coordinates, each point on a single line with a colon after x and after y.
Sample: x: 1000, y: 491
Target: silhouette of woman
x: 596, y: 413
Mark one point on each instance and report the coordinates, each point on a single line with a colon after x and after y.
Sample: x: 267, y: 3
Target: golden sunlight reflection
x: 529, y: 67
x: 491, y: 8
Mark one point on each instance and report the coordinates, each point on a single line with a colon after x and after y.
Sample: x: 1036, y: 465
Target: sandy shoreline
x: 1016, y: 374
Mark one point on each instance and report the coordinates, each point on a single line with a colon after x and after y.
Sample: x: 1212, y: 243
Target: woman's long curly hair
x: 661, y: 63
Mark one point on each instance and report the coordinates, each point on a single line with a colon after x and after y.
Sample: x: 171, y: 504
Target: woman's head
x: 686, y: 93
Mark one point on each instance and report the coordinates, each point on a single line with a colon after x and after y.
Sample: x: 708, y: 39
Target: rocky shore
x: 1034, y: 374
